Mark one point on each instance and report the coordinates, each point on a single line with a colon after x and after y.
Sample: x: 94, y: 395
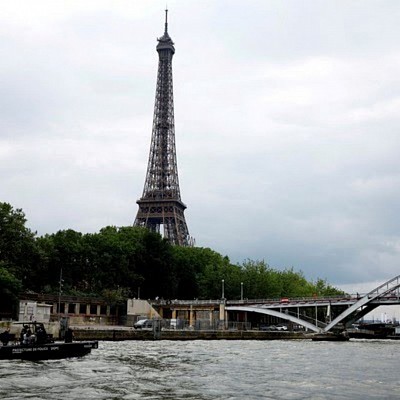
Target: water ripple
x: 205, y: 370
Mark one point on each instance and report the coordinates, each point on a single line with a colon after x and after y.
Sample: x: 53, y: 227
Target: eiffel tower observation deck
x: 160, y: 207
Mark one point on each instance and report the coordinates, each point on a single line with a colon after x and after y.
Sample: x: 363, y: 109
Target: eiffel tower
x: 160, y: 207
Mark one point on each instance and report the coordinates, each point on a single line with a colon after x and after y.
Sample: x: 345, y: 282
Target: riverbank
x: 124, y: 333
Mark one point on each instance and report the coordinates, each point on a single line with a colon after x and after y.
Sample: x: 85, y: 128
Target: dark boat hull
x: 50, y: 351
x: 327, y: 337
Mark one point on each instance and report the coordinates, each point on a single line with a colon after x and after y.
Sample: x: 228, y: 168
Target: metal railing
x: 279, y: 300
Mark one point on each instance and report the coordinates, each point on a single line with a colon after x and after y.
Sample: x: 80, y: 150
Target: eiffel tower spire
x: 160, y: 207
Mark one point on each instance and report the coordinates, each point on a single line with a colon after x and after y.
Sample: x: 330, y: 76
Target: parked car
x: 281, y: 327
x: 143, y: 324
x: 268, y: 328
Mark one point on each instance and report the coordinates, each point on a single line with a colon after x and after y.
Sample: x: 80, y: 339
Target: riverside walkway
x: 119, y: 333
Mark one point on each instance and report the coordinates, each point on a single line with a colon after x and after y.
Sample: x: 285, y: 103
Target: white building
x: 34, y: 311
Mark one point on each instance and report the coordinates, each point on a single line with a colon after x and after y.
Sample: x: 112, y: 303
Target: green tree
x: 156, y: 267
x: 187, y: 270
x: 10, y: 288
x: 260, y: 280
x: 18, y: 249
x: 215, y: 268
x: 294, y: 284
x: 112, y: 258
x: 117, y: 261
x: 321, y: 288
x: 199, y: 271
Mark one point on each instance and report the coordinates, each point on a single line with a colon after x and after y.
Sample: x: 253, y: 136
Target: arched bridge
x: 352, y: 308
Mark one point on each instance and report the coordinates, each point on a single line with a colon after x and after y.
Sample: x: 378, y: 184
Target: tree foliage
x: 18, y: 249
x: 10, y: 287
x: 120, y: 262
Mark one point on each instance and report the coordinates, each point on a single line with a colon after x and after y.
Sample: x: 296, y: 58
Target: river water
x: 205, y: 370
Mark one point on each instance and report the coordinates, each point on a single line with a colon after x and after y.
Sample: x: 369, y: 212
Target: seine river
x: 205, y: 370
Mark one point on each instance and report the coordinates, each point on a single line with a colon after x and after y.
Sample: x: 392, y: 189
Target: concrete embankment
x: 131, y: 334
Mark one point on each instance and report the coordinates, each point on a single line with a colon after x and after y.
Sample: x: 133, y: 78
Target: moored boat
x: 49, y: 351
x: 35, y: 344
x: 330, y: 337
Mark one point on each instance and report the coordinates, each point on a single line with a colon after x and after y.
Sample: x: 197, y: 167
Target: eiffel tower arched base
x: 165, y: 217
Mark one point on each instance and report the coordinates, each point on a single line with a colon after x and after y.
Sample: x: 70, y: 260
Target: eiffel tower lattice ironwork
x: 160, y: 207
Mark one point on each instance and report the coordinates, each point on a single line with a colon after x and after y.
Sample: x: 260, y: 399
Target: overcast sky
x: 287, y: 124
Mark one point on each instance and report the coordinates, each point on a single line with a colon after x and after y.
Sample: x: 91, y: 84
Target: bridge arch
x: 361, y: 307
x: 278, y: 314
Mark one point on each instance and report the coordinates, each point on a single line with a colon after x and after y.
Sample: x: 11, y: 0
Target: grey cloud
x: 286, y: 125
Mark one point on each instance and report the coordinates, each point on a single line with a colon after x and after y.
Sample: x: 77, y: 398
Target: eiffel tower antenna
x: 160, y: 207
x: 166, y: 19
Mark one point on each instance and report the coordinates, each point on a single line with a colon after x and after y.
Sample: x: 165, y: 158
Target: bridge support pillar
x: 191, y: 313
x: 222, y: 314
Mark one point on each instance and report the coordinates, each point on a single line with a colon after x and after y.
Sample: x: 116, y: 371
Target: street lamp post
x: 223, y: 288
x: 59, y: 295
x: 241, y: 290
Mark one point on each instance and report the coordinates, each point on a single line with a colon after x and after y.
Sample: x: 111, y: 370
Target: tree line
x: 120, y: 262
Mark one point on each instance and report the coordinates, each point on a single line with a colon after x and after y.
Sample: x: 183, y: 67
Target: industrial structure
x: 160, y: 207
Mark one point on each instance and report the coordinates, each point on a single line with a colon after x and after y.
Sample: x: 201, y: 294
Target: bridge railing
x: 279, y: 300
x: 163, y: 302
x: 286, y: 300
x: 386, y: 287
